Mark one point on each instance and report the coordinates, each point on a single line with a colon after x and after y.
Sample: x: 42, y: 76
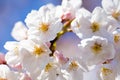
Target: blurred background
x: 12, y: 11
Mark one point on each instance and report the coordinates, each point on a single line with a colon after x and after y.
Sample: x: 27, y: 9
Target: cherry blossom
x: 37, y: 54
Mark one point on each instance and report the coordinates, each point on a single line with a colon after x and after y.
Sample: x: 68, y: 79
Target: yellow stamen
x: 95, y: 27
x: 96, y: 48
x: 116, y: 15
x: 73, y: 65
x: 116, y: 38
x: 106, y: 71
x: 16, y: 50
x: 48, y: 67
x: 44, y: 27
x: 38, y: 50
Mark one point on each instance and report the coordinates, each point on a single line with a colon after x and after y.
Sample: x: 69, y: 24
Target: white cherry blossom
x: 84, y: 12
x: 43, y: 24
x: 108, y: 71
x: 96, y: 50
x: 51, y: 72
x: 69, y: 4
x: 37, y: 53
x: 112, y: 8
x: 113, y: 11
x: 13, y: 56
x: 66, y: 11
x: 116, y: 38
x: 86, y: 27
x: 74, y: 69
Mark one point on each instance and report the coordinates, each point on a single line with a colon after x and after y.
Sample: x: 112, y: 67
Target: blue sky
x: 12, y: 11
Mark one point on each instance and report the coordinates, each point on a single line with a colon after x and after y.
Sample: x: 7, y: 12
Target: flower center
x: 106, y: 71
x: 73, y: 65
x: 95, y: 27
x: 116, y: 38
x: 44, y: 27
x: 38, y: 50
x: 115, y: 15
x: 48, y: 67
x: 96, y: 48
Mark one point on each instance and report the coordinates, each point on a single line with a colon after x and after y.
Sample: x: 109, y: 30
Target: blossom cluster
x: 34, y: 54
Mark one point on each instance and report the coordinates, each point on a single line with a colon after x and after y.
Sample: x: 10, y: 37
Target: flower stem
x: 66, y: 28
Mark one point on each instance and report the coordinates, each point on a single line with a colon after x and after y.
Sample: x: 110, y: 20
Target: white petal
x: 10, y: 45
x: 7, y: 74
x: 108, y: 5
x: 84, y: 12
x: 12, y: 58
x: 19, y: 31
